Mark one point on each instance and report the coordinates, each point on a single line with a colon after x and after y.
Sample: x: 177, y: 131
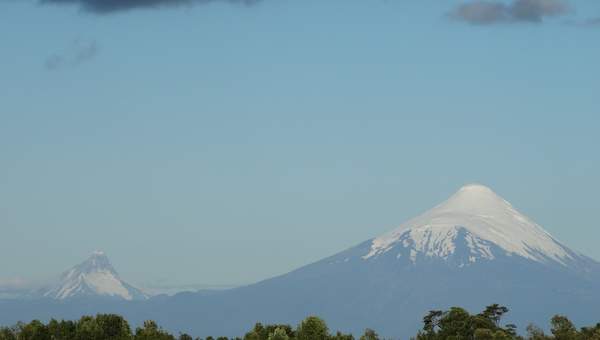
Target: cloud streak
x: 14, y: 286
x: 78, y: 53
x: 593, y: 22
x: 483, y: 12
x: 13, y: 283
x: 113, y: 6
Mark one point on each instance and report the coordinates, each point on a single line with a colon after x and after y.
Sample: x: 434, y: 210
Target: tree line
x: 453, y: 324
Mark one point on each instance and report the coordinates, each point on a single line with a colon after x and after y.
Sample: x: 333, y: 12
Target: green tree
x: 7, y: 334
x: 270, y: 329
x: 488, y: 334
x: 494, y: 313
x: 431, y: 322
x: 62, y: 330
x: 563, y: 328
x: 113, y: 327
x: 87, y: 329
x: 279, y: 334
x: 483, y: 334
x: 151, y: 331
x: 252, y: 335
x: 312, y: 328
x: 591, y: 333
x: 457, y: 324
x: 35, y: 330
x: 535, y: 333
x: 369, y: 335
x: 257, y: 333
x: 341, y: 336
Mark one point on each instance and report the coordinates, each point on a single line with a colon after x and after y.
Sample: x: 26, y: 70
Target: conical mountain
x: 472, y: 250
x: 93, y: 278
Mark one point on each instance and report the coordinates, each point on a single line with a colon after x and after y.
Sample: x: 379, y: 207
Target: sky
x: 224, y: 142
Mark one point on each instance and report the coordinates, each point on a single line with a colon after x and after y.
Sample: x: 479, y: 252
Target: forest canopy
x: 453, y: 324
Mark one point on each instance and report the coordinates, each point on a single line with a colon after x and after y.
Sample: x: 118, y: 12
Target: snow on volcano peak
x: 485, y: 219
x: 94, y: 277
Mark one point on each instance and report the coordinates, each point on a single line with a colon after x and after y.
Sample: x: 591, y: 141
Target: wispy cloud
x: 483, y: 12
x: 14, y: 286
x: 11, y: 283
x: 78, y: 52
x: 112, y: 6
x: 593, y: 22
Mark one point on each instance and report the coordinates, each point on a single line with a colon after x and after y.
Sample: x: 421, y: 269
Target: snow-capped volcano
x: 488, y: 225
x: 95, y: 277
x: 472, y: 250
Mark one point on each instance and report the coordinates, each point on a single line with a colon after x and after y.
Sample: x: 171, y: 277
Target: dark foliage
x: 453, y: 324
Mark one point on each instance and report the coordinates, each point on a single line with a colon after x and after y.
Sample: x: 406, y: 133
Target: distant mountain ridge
x: 95, y: 277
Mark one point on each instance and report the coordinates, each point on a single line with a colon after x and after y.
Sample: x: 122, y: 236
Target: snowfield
x: 486, y: 217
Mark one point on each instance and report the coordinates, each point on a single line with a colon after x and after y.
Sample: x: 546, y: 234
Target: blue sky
x: 223, y: 144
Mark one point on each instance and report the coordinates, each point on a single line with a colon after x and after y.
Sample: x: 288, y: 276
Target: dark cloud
x: 490, y: 12
x: 79, y: 52
x: 111, y: 6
